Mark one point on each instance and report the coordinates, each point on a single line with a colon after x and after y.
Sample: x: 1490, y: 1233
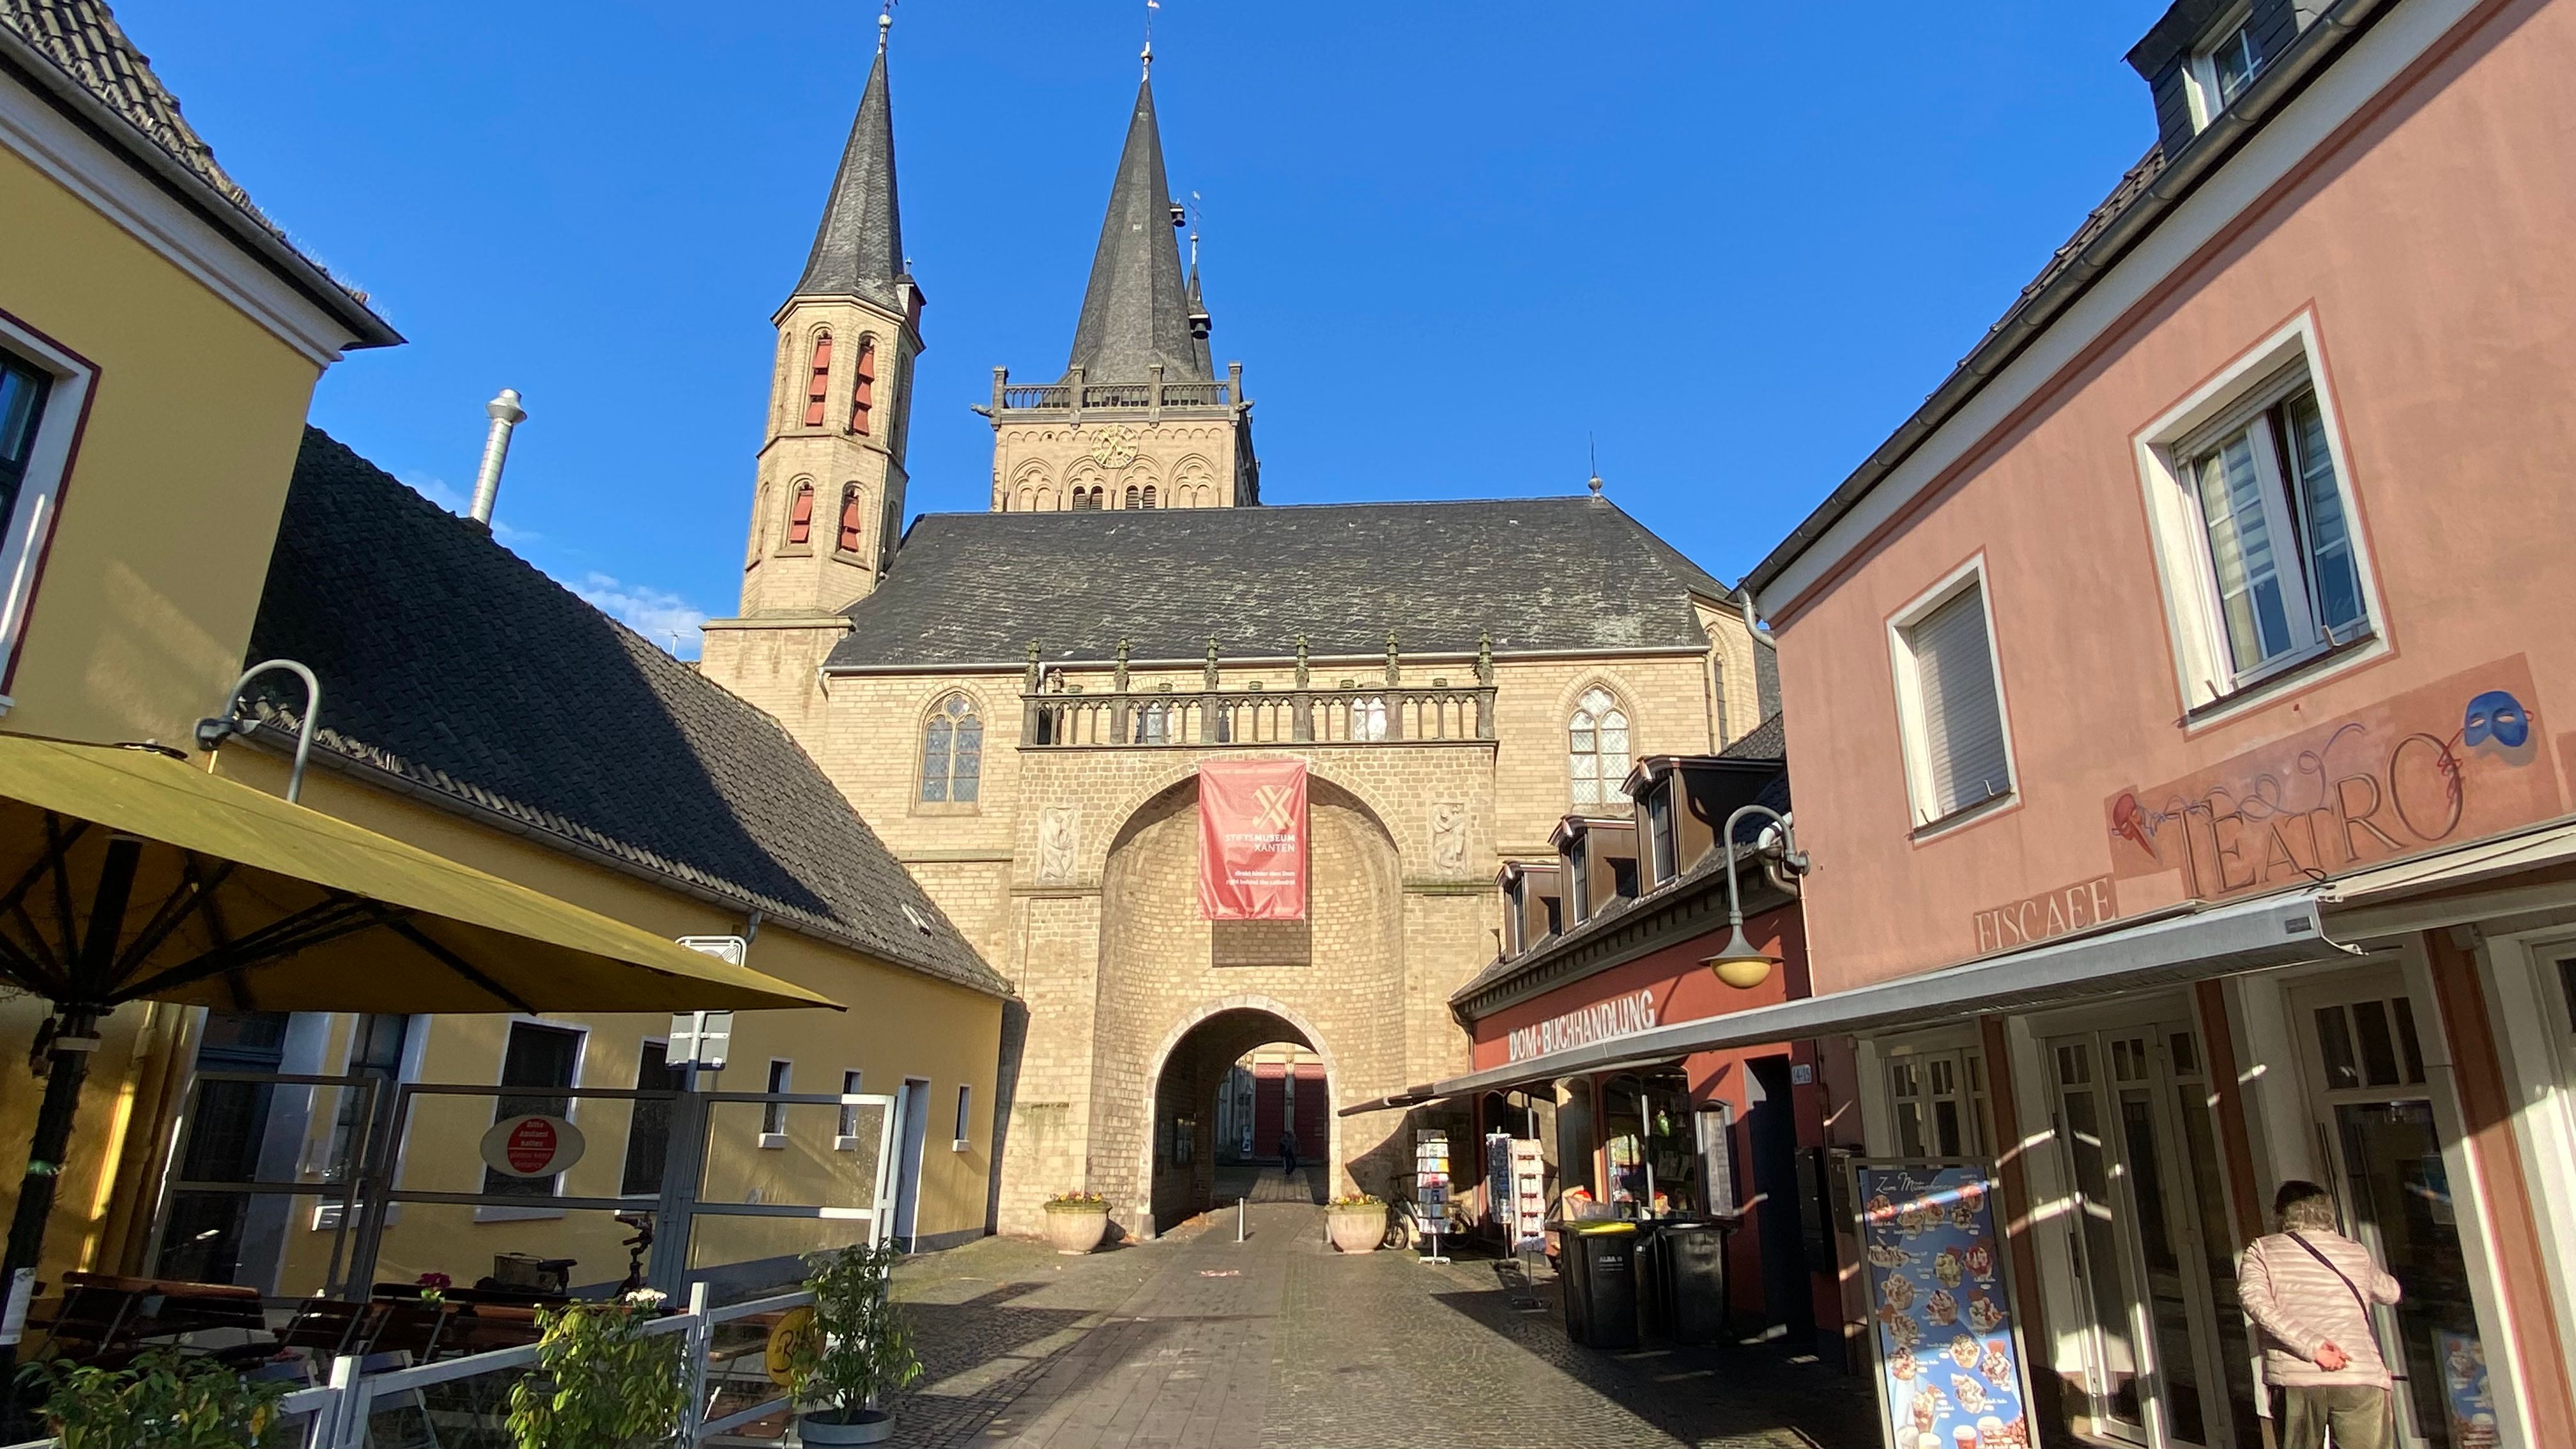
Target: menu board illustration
x: 1949, y: 1354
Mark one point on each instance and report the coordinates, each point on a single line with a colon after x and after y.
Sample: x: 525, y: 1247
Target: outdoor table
x: 115, y: 1316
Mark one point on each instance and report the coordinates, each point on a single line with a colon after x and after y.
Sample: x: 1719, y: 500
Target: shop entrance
x: 2168, y: 1361
x: 2374, y: 1115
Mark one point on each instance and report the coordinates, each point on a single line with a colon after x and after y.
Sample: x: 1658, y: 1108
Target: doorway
x: 912, y: 1104
x: 2373, y: 1113
x: 2168, y: 1361
x: 1771, y: 1132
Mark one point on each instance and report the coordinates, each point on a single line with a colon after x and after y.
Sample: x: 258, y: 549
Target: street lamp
x: 1737, y: 963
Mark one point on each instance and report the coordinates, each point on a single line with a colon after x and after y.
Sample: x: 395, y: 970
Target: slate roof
x: 76, y: 54
x: 1136, y: 311
x: 858, y: 248
x: 1768, y: 741
x: 1545, y: 575
x: 450, y: 663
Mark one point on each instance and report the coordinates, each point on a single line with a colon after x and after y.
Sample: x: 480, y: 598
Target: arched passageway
x: 1197, y: 1071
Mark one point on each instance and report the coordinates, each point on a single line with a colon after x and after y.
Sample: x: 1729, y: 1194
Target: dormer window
x: 1661, y: 851
x: 2225, y: 69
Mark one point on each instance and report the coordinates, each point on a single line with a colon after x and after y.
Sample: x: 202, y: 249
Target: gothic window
x: 1597, y: 748
x: 800, y: 516
x: 818, y: 382
x: 1368, y: 718
x: 1131, y: 495
x: 952, y: 752
x: 853, y: 518
x: 1149, y: 495
x: 863, y: 393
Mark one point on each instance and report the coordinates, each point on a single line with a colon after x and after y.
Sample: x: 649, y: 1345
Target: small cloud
x: 658, y: 615
x: 437, y: 491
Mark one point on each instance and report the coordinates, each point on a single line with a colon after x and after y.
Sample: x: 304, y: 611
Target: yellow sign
x: 795, y: 1336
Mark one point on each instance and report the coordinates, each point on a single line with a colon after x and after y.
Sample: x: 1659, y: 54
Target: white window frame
x: 2212, y: 688
x: 24, y: 535
x: 845, y: 1140
x: 1924, y: 814
x: 781, y: 1080
x: 494, y: 1212
x: 2206, y: 106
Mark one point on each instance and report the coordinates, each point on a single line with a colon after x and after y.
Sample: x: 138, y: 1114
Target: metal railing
x: 1363, y: 715
x: 342, y: 1413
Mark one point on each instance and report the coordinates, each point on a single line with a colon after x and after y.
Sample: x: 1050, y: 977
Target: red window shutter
x: 819, y: 384
x: 863, y: 393
x: 800, y: 515
x: 850, y: 520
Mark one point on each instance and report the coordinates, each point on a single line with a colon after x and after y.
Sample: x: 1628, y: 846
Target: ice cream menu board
x: 1949, y: 1355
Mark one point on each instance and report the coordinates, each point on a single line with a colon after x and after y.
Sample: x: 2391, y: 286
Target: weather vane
x: 1148, y: 57
x: 885, y: 22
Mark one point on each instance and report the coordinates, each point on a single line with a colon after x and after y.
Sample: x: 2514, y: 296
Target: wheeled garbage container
x: 1690, y: 1263
x: 1601, y: 1284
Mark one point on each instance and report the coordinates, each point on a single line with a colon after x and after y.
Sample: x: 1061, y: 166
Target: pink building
x: 2186, y: 724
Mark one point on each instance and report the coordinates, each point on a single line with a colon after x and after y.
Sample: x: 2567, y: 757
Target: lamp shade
x: 1738, y: 964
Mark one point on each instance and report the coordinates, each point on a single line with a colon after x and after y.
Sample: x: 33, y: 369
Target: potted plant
x: 599, y: 1383
x: 1077, y: 1221
x: 852, y: 1352
x: 1357, y: 1222
x: 163, y: 1400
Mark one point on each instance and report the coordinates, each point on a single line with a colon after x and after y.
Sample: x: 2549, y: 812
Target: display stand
x: 1431, y: 1186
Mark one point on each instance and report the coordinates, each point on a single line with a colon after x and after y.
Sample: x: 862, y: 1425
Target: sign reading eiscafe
x: 1252, y: 840
x: 2449, y: 763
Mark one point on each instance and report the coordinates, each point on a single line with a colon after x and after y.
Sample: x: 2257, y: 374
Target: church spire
x: 1136, y: 311
x: 858, y: 250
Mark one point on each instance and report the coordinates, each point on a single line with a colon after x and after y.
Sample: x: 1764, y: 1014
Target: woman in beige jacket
x: 2309, y: 1289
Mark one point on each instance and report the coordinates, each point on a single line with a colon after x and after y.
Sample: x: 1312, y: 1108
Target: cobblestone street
x: 1196, y: 1340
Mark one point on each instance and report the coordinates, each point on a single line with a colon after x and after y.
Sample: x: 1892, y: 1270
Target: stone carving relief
x: 1449, y: 837
x: 1059, y: 841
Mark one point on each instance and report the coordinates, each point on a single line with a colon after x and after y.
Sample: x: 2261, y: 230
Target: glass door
x: 2374, y: 1115
x: 2152, y: 1241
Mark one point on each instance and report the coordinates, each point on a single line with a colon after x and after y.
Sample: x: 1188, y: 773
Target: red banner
x: 1252, y: 840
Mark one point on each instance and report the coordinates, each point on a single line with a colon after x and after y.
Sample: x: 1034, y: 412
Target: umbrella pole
x: 45, y: 1155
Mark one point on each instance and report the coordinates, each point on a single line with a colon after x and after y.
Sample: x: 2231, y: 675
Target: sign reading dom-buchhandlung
x: 1252, y: 840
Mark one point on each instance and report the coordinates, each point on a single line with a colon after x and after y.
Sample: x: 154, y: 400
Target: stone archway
x: 1173, y: 1182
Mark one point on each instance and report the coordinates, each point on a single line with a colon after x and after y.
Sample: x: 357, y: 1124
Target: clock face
x: 1114, y: 448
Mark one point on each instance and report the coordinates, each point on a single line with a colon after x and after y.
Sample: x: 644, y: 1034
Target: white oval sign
x: 532, y: 1146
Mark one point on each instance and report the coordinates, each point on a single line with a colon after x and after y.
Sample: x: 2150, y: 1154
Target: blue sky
x: 1448, y: 241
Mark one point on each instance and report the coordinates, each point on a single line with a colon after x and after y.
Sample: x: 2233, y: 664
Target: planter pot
x: 1357, y: 1230
x: 867, y: 1426
x: 1076, y: 1230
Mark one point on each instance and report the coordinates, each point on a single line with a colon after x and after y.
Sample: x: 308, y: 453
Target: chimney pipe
x: 506, y: 414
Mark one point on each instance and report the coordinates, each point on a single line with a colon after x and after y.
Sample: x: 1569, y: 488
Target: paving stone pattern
x: 1197, y: 1342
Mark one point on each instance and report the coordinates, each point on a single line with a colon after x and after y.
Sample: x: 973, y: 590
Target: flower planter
x: 1076, y: 1229
x: 867, y: 1426
x: 1359, y: 1229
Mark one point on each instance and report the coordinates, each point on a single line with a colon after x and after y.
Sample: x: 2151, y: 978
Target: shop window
x: 863, y: 391
x: 2369, y: 1044
x: 853, y: 518
x: 1950, y: 702
x: 537, y: 1058
x: 1940, y: 1103
x: 1597, y: 747
x: 952, y: 753
x: 818, y: 381
x: 800, y: 516
x: 1648, y: 1144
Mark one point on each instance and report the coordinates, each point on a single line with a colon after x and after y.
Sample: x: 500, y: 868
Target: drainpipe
x: 506, y: 414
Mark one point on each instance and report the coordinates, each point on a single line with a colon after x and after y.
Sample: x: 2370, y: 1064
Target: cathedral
x: 1020, y: 700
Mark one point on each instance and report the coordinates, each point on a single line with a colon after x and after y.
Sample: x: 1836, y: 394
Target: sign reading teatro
x: 1252, y: 840
x: 1619, y: 1016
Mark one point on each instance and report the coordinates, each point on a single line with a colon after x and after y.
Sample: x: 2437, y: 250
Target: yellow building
x: 475, y: 708
x: 159, y: 343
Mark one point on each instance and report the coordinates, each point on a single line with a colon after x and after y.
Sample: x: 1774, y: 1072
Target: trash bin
x: 1601, y: 1284
x: 1690, y: 1281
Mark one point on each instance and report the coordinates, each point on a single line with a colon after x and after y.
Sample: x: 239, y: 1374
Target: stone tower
x: 828, y: 503
x: 1140, y: 418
